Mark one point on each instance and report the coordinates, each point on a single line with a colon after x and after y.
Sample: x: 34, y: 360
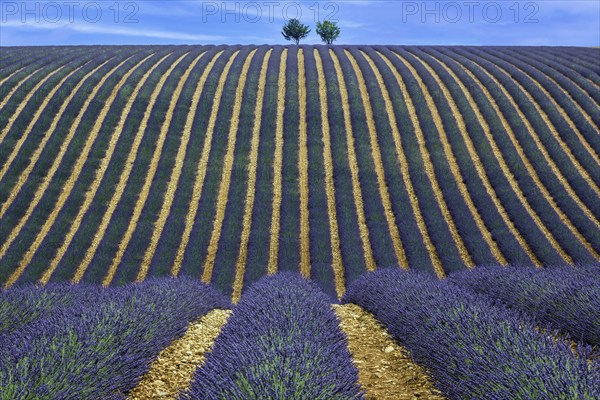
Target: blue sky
x: 501, y: 22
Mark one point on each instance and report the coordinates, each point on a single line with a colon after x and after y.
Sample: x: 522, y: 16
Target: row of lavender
x: 472, y: 346
x: 83, y: 342
x: 281, y: 342
x: 564, y: 298
x: 74, y: 342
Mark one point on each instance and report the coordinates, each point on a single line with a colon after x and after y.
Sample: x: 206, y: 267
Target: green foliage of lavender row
x: 94, y: 344
x: 282, y: 342
x: 473, y: 348
x: 567, y: 298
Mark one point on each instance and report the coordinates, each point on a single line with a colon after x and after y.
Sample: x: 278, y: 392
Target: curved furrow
x: 25, y: 101
x: 336, y: 253
x: 430, y: 170
x: 553, y: 130
x: 58, y: 158
x: 70, y: 182
x: 535, y: 137
x: 288, y: 255
x: 587, y: 88
x: 230, y: 242
x: 303, y: 171
x: 585, y: 73
x: 458, y: 177
x: 143, y: 195
x: 12, y: 83
x: 478, y: 164
x: 403, y: 161
x: 354, y: 170
x: 171, y: 187
x: 587, y: 54
x: 385, y: 369
x: 12, y: 74
x: 377, y: 159
x: 177, y: 170
x: 242, y: 258
x: 259, y: 241
x: 226, y: 173
x: 201, y: 169
x: 92, y: 190
x: 572, y: 100
x: 453, y: 165
x: 173, y: 370
x: 504, y: 166
x: 17, y: 86
x: 277, y: 168
x: 40, y: 110
x: 34, y: 158
x: 563, y: 113
x: 571, y: 59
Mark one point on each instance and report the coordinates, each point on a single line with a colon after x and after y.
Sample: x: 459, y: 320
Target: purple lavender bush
x: 283, y: 341
x: 25, y: 304
x: 101, y: 350
x: 472, y: 348
x: 565, y: 298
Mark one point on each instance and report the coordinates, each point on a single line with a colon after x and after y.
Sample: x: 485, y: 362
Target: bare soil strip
x: 42, y: 144
x: 14, y: 115
x: 563, y: 217
x: 41, y: 108
x: 354, y: 170
x: 226, y: 173
x: 16, y: 87
x: 90, y: 193
x: 179, y: 160
x: 565, y: 116
x: 458, y: 178
x: 534, y: 175
x: 303, y: 171
x: 477, y: 161
x: 502, y: 162
x: 190, y: 217
x: 336, y: 253
x: 277, y: 168
x: 240, y: 268
x: 145, y: 191
x: 173, y: 370
x: 185, y: 137
x: 379, y: 169
x: 430, y: 170
x: 584, y: 113
x: 119, y: 189
x: 171, y: 188
x: 89, y: 197
x: 378, y: 161
x: 402, y: 160
x: 385, y: 370
x: 11, y: 75
x: 547, y: 157
x: 57, y: 161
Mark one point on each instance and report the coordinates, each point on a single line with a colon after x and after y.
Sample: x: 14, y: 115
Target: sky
x: 501, y: 22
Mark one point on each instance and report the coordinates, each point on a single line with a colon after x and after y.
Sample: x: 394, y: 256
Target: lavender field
x: 451, y: 192
x: 230, y: 162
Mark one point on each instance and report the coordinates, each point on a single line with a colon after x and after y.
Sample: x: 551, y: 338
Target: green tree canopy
x: 294, y: 30
x: 329, y: 31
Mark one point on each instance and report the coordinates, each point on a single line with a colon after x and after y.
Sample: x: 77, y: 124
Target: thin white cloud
x: 345, y: 23
x: 102, y: 29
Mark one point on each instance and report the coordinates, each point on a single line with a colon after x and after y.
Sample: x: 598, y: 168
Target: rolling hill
x: 227, y: 163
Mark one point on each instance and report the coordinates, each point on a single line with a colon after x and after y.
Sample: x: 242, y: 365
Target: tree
x: 328, y: 31
x: 294, y: 30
